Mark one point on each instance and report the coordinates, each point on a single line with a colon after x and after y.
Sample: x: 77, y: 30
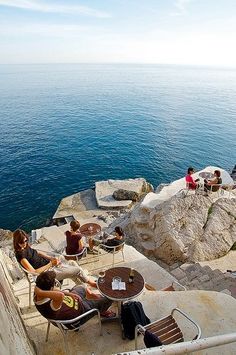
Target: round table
x: 206, y: 175
x: 90, y: 229
x: 132, y: 289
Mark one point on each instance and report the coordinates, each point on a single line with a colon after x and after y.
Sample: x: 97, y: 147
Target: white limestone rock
x: 6, y: 238
x: 184, y: 229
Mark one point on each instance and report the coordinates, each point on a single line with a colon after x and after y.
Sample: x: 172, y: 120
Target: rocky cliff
x: 191, y: 229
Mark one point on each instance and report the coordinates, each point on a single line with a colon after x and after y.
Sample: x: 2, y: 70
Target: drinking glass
x: 101, y: 275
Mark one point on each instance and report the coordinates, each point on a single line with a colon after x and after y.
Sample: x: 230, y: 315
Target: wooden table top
x: 90, y: 229
x: 132, y: 289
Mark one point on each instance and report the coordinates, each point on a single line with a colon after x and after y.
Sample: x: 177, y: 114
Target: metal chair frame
x: 167, y: 329
x: 63, y: 325
x: 78, y: 256
x: 114, y: 249
x: 31, y: 277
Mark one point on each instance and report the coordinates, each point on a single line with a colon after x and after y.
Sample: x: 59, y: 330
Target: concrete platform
x: 215, y: 312
x: 105, y: 189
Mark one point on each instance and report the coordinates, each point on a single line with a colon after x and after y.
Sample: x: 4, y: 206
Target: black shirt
x: 32, y: 256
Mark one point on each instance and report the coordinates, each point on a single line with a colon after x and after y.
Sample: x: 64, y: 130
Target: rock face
x: 5, y: 237
x: 184, y: 229
x: 125, y: 192
x: 233, y: 174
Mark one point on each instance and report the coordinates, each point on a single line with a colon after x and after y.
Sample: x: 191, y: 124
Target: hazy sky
x: 134, y: 31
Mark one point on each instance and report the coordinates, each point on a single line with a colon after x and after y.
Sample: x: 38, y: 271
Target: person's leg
x: 75, y: 273
x: 102, y: 304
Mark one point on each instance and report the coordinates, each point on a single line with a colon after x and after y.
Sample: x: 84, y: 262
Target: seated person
x: 111, y: 240
x: 74, y: 243
x: 117, y: 239
x: 64, y: 305
x: 210, y: 185
x: 191, y: 183
x: 37, y: 261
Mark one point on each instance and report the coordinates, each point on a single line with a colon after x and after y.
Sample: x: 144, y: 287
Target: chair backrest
x: 31, y: 276
x: 167, y: 329
x: 113, y: 248
x: 215, y: 187
x: 76, y: 257
x: 75, y: 323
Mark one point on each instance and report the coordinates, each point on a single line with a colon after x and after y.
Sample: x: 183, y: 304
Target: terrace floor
x: 214, y: 311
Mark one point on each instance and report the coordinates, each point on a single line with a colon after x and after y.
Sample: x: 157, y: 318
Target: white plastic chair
x: 73, y: 325
x: 112, y: 249
x: 76, y: 257
x: 31, y: 277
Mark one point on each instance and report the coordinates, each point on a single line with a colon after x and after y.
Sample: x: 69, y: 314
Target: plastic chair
x: 167, y: 329
x: 73, y: 325
x: 75, y: 257
x: 112, y: 249
x: 188, y: 189
x: 31, y: 277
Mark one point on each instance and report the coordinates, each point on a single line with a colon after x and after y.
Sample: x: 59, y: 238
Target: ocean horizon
x: 66, y: 126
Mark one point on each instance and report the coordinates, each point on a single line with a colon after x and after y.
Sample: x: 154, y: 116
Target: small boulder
x: 122, y: 194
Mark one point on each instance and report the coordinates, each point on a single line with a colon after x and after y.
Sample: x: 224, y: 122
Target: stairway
x: 197, y: 277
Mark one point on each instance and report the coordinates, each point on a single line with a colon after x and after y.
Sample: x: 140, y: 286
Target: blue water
x: 63, y: 127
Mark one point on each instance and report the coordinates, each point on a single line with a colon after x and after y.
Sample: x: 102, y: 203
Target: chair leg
x: 48, y: 328
x: 113, y: 261
x: 136, y: 338
x: 100, y: 323
x: 65, y: 343
x: 123, y: 254
x: 29, y: 294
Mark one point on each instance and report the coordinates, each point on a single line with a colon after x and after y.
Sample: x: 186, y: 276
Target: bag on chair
x: 132, y: 313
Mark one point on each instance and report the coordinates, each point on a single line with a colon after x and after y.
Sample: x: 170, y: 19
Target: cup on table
x: 101, y: 276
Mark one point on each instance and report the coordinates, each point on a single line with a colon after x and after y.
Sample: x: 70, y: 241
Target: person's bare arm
x: 26, y: 265
x: 71, y: 293
x: 44, y: 255
x: 212, y: 182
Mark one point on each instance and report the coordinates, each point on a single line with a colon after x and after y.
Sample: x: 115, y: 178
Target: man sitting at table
x: 36, y: 261
x: 53, y: 303
x: 191, y: 183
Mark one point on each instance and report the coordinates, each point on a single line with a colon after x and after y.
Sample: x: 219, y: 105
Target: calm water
x: 63, y: 127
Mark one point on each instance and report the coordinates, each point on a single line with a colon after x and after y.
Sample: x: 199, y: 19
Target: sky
x: 192, y: 32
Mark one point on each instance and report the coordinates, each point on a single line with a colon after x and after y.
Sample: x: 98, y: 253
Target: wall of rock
x: 190, y: 229
x: 13, y: 336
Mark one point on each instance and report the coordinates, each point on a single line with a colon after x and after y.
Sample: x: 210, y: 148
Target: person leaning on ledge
x: 37, y: 261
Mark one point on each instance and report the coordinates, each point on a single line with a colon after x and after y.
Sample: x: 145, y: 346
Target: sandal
x: 108, y: 314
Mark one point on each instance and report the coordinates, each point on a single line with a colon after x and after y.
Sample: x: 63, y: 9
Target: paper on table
x: 118, y: 285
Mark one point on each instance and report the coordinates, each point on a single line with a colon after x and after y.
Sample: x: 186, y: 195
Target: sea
x: 65, y: 126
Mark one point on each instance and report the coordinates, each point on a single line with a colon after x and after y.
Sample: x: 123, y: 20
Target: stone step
x: 195, y: 276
